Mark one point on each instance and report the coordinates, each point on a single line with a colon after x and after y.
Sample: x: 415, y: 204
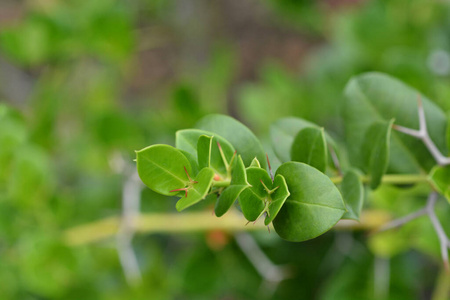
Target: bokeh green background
x: 85, y: 83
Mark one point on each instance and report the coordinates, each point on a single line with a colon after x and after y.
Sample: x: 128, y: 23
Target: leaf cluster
x: 222, y: 157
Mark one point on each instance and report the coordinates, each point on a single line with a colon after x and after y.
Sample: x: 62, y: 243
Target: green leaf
x: 231, y: 193
x: 161, y: 168
x: 352, y: 191
x: 440, y: 179
x: 187, y: 140
x: 375, y: 97
x: 243, y: 140
x: 282, y: 134
x: 310, y: 147
x: 255, y: 163
x: 193, y: 161
x: 313, y: 207
x: 376, y: 151
x: 253, y: 200
x: 277, y: 198
x: 197, y: 191
x: 204, y: 151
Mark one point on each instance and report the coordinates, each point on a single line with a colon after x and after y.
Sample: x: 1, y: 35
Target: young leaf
x: 374, y: 97
x: 376, y: 151
x: 352, y: 191
x: 197, y: 191
x: 310, y: 147
x: 277, y: 198
x: 231, y: 193
x: 282, y: 134
x: 204, y: 146
x: 187, y: 140
x: 313, y: 207
x: 243, y: 140
x: 440, y: 179
x: 253, y: 200
x: 255, y: 163
x: 161, y: 168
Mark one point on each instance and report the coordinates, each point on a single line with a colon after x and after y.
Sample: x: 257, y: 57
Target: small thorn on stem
x: 268, y: 228
x: 270, y: 168
x: 179, y: 190
x: 232, y: 158
x: 224, y: 159
x: 189, y: 177
x: 247, y: 223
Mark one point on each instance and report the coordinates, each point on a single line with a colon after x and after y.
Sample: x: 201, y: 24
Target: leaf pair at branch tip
x: 237, y: 185
x: 264, y: 196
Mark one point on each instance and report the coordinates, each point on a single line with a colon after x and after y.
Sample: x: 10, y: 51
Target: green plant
x: 311, y: 191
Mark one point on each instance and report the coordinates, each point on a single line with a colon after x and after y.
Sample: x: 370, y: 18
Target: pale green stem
x: 221, y: 183
x: 392, y: 179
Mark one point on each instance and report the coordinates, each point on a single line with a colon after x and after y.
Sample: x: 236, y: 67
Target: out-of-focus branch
x: 423, y: 135
x: 176, y: 223
x: 131, y: 197
x: 15, y: 84
x: 400, y: 222
x: 427, y: 210
x: 131, y: 200
x: 443, y: 238
x: 271, y: 273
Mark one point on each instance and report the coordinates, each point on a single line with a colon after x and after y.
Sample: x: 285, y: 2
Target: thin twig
x: 424, y: 135
x: 401, y: 221
x: 271, y: 273
x: 382, y: 272
x: 443, y: 238
x: 131, y: 198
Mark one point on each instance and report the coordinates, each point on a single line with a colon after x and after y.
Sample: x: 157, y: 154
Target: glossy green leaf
x: 197, y: 191
x: 310, y: 147
x: 376, y: 151
x: 282, y: 134
x: 204, y: 151
x: 277, y: 198
x: 255, y: 163
x: 237, y: 185
x: 440, y: 178
x: 243, y: 140
x: 352, y: 191
x: 313, y: 207
x: 375, y: 97
x: 161, y: 168
x: 187, y: 140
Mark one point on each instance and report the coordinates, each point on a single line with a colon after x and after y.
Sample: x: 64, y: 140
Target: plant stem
x: 173, y: 223
x: 391, y: 178
x: 221, y: 183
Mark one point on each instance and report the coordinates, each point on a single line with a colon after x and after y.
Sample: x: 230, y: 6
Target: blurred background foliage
x: 85, y: 83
